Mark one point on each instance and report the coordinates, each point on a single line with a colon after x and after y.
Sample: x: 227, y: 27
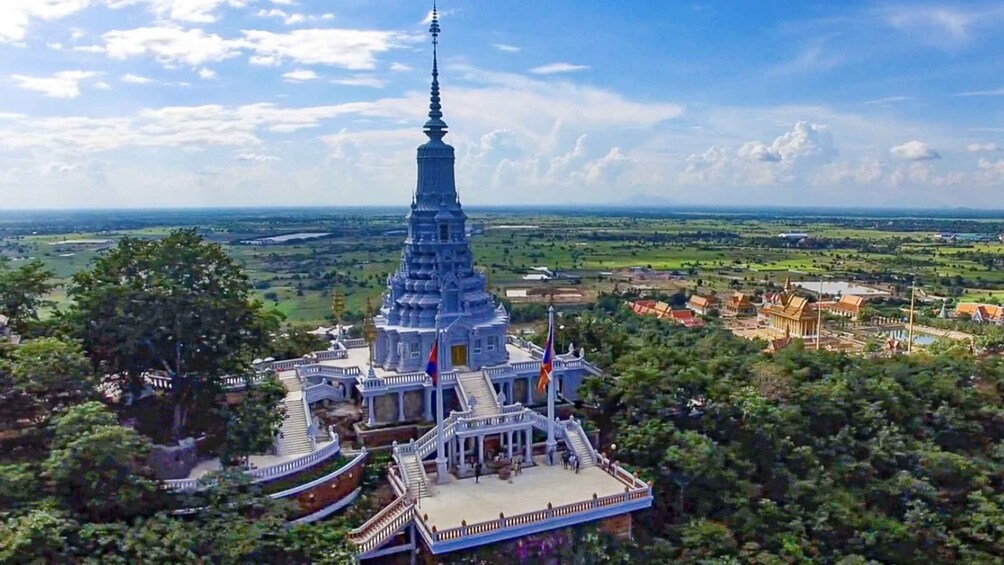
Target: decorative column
x: 400, y: 406
x: 552, y: 443
x: 371, y: 417
x: 428, y: 404
x: 528, y: 444
x: 529, y: 391
x: 481, y: 449
x: 509, y: 438
x: 441, y: 461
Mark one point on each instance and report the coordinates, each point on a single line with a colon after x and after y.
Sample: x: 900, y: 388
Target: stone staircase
x: 477, y: 388
x: 579, y: 445
x: 295, y: 439
x: 414, y: 475
x: 382, y: 527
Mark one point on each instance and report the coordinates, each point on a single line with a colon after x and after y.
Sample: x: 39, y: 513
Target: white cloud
x: 984, y: 147
x: 555, y: 68
x: 940, y: 24
x: 506, y: 47
x: 994, y: 92
x: 256, y: 157
x: 16, y: 15
x: 888, y: 100
x: 914, y: 151
x: 400, y: 67
x: 990, y: 172
x: 299, y: 75
x: 794, y: 155
x: 64, y: 84
x: 348, y: 48
x: 361, y: 80
x: 196, y: 11
x: 288, y: 19
x: 169, y: 45
x: 207, y: 74
x: 136, y: 79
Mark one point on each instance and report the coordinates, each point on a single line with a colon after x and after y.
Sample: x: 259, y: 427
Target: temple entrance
x: 458, y: 355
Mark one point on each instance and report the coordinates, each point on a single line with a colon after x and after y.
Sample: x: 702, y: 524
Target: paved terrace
x: 465, y: 500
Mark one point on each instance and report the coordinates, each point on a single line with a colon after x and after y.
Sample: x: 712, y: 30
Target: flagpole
x: 441, y: 467
x: 552, y: 444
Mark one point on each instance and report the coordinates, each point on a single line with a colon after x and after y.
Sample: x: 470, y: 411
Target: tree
x: 23, y: 291
x: 38, y: 537
x: 251, y: 425
x: 98, y: 470
x: 53, y: 372
x: 180, y: 305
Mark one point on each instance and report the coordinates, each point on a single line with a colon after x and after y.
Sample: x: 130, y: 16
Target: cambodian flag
x: 547, y: 363
x: 432, y: 367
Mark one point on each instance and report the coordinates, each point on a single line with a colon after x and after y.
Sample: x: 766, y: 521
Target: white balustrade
x: 272, y: 472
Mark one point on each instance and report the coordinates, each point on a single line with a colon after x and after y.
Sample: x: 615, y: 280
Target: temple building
x: 739, y: 305
x: 791, y: 315
x: 483, y: 400
x: 703, y: 305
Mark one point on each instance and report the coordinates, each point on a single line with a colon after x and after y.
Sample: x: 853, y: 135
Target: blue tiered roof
x: 436, y: 283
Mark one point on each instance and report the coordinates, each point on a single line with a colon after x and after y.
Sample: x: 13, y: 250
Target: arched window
x: 444, y: 232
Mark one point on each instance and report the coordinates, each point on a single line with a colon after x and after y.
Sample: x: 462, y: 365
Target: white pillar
x: 481, y: 449
x: 371, y: 418
x: 528, y: 444
x: 400, y: 406
x: 509, y: 438
x: 441, y: 467
x: 552, y: 443
x: 428, y: 404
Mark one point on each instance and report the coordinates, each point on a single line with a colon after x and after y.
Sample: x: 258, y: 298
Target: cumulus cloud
x: 169, y: 45
x: 288, y: 19
x: 299, y: 75
x: 400, y: 67
x: 506, y: 47
x: 555, y: 68
x: 914, y: 151
x: 349, y: 48
x: 207, y: 74
x: 16, y: 15
x: 64, y: 84
x: 790, y: 156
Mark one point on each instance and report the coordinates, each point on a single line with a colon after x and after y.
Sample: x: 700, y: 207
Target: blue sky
x: 149, y: 103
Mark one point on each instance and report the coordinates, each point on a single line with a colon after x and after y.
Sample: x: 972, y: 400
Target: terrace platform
x: 460, y: 500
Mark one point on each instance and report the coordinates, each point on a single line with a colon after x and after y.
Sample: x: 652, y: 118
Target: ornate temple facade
x: 482, y: 475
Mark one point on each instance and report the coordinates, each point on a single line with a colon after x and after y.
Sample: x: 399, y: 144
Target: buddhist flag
x: 432, y: 367
x: 547, y: 363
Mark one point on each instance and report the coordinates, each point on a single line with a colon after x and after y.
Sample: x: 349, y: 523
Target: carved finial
x: 435, y: 127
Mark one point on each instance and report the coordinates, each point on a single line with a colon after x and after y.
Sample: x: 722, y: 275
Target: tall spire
x: 435, y: 127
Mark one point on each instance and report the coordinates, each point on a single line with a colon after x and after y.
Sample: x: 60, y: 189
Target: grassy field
x: 720, y: 252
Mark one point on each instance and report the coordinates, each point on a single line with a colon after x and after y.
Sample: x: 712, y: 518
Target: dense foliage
x: 804, y: 456
x: 178, y: 305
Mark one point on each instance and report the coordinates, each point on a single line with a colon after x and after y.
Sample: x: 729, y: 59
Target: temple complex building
x: 457, y: 485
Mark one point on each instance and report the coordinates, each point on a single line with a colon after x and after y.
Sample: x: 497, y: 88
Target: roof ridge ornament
x: 435, y: 127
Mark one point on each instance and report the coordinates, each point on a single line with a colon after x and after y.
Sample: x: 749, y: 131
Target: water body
x: 289, y: 237
x: 918, y: 338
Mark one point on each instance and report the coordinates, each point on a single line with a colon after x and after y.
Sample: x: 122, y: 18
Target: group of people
x: 516, y: 464
x: 570, y: 460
